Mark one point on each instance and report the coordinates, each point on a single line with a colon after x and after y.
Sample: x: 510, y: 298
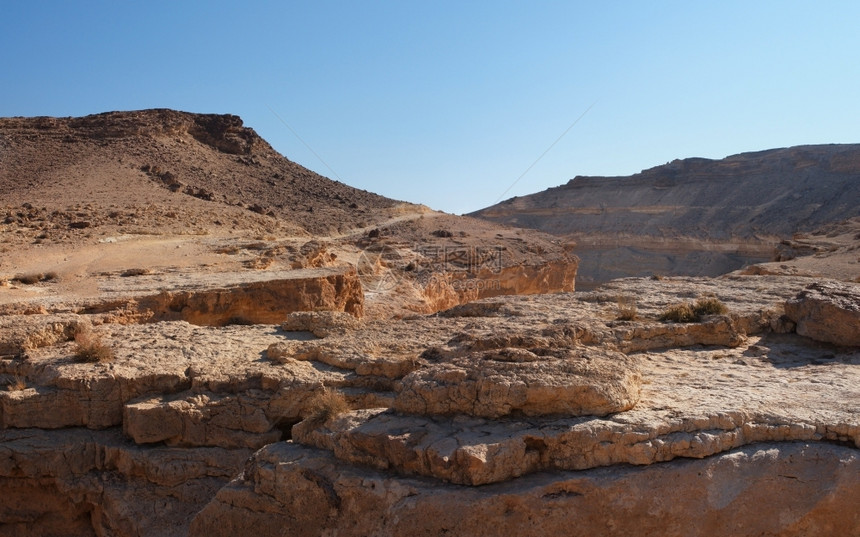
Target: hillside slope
x: 161, y: 191
x: 694, y: 216
x: 124, y: 158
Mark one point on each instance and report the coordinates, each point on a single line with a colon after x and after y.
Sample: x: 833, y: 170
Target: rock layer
x: 789, y: 490
x: 499, y: 382
x: 79, y: 482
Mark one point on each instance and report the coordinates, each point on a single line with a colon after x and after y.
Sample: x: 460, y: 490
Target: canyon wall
x: 693, y: 216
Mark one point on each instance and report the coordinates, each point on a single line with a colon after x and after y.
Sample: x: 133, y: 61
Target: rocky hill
x: 170, y: 193
x: 140, y: 157
x: 693, y: 216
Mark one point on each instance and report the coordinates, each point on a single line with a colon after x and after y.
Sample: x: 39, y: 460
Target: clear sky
x: 449, y: 103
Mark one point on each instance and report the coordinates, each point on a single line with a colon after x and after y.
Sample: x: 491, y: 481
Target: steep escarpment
x: 693, y: 216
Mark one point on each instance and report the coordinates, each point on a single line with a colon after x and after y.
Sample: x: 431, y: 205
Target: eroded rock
x: 320, y: 323
x: 203, y: 419
x: 80, y: 482
x: 793, y: 489
x: 265, y: 298
x: 542, y: 381
x: 508, y: 393
x: 827, y: 311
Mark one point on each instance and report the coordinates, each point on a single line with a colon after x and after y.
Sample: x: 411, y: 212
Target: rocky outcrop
x: 320, y: 323
x: 524, y: 404
x: 550, y: 277
x: 213, y: 299
x: 828, y: 311
x: 738, y: 395
x: 792, y: 489
x: 202, y: 419
x: 79, y: 482
x: 267, y: 298
x: 541, y: 381
x: 20, y: 333
x: 440, y: 269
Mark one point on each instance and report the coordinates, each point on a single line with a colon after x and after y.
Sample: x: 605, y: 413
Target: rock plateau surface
x: 534, y: 410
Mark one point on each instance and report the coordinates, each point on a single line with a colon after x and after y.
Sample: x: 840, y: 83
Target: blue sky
x: 449, y: 103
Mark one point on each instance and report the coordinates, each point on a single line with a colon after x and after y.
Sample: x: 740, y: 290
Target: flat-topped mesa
x: 693, y: 216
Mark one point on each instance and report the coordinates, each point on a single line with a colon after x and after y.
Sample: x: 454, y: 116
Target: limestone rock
x: 285, y: 352
x: 828, y: 311
x: 182, y: 405
x: 20, y: 333
x: 496, y: 383
x: 791, y: 490
x: 230, y: 421
x: 320, y: 323
x: 80, y: 482
x: 255, y: 298
x: 694, y: 402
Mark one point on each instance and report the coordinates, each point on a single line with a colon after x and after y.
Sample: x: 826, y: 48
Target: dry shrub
x: 709, y: 305
x: 693, y: 313
x: 679, y: 313
x: 30, y: 279
x: 135, y: 272
x: 228, y: 250
x: 90, y: 348
x: 626, y: 309
x: 326, y: 405
x: 17, y: 384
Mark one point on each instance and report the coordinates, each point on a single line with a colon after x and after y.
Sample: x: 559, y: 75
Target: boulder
x: 828, y: 311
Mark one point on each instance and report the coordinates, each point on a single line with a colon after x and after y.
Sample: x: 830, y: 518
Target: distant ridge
x: 734, y: 209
